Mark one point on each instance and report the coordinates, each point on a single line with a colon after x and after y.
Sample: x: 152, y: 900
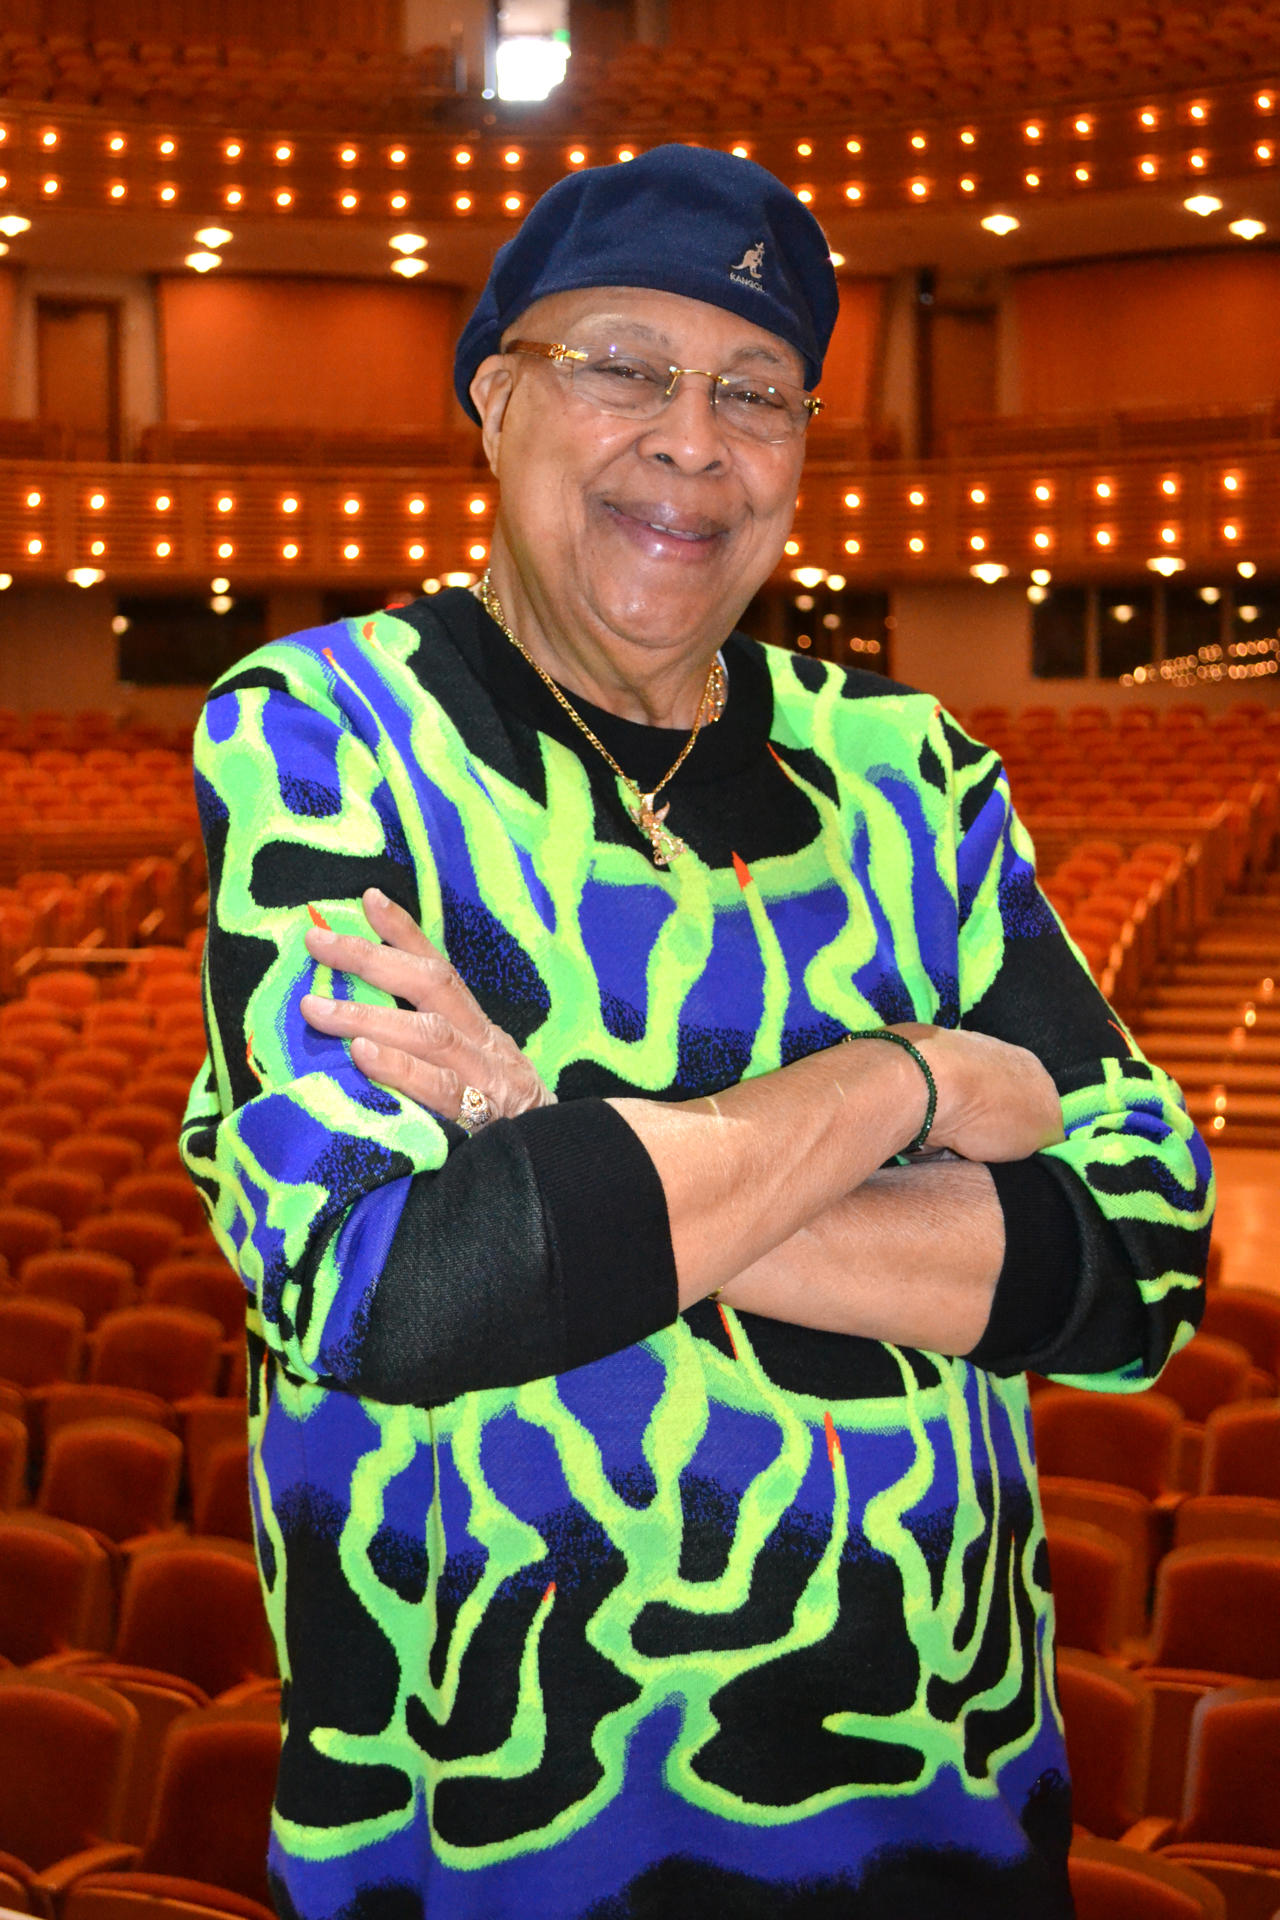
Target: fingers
x: 426, y: 1036
x: 408, y: 967
x: 438, y: 1089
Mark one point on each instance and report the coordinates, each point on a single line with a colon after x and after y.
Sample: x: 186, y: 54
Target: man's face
x: 656, y: 530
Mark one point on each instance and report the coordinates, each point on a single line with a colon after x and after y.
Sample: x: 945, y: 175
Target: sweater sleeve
x: 1107, y: 1234
x: 383, y: 1251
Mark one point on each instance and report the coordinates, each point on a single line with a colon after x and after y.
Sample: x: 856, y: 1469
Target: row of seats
x: 232, y: 84
x: 116, y: 1791
x: 87, y: 728
x: 721, y: 82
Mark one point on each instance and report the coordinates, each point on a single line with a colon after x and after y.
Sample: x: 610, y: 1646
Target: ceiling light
x: 808, y: 576
x: 1246, y: 569
x: 12, y: 224
x: 219, y: 585
x: 214, y: 236
x: 837, y: 259
x: 86, y: 576
x: 408, y: 269
x: 1166, y: 564
x: 989, y: 571
x: 1204, y: 204
x: 1001, y: 223
x: 408, y: 242
x: 203, y: 262
x: 1247, y: 229
x: 1041, y: 576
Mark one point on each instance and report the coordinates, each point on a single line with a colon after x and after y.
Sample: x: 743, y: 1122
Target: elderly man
x: 642, y: 1465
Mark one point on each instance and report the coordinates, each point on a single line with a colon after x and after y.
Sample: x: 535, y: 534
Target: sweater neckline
x: 643, y: 752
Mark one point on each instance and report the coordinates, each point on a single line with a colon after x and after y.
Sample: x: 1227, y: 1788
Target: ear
x: 490, y: 391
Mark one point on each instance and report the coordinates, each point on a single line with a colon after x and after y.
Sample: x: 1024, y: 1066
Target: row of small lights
x: 1042, y: 539
x: 919, y: 187
x: 1208, y: 663
x: 225, y: 503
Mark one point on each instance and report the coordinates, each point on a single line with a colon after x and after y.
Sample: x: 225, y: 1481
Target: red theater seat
x: 96, y: 1283
x: 1110, y: 1881
x: 56, y: 1588
x: 1090, y: 1576
x: 206, y: 1848
x: 166, y: 1350
x: 1108, y: 1714
x: 65, y: 1748
x: 40, y: 1341
x: 141, y: 1238
x: 120, y: 1477
x: 1206, y: 1374
x: 1128, y: 1440
x: 1242, y: 1451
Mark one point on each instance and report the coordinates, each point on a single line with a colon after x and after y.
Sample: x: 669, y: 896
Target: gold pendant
x: 665, y: 844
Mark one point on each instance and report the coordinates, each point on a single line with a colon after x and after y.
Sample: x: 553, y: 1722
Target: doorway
x: 78, y: 361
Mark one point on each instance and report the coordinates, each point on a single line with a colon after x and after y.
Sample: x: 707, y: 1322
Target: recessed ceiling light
x: 1001, y: 223
x: 1204, y: 204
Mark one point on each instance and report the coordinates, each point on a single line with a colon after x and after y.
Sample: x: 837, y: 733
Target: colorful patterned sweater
x: 587, y: 1609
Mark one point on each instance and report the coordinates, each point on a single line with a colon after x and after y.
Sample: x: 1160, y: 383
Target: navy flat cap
x: 687, y: 220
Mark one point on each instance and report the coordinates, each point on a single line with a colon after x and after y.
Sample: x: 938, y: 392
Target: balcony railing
x: 1085, y: 517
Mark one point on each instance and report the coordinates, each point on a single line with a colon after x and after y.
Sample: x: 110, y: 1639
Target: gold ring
x: 475, y: 1111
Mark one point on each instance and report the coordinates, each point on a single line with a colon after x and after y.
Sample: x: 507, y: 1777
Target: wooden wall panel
x: 1191, y: 331
x: 8, y: 313
x: 851, y: 358
x: 339, y: 354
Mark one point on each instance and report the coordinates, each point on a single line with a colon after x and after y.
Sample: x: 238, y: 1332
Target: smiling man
x: 642, y: 1470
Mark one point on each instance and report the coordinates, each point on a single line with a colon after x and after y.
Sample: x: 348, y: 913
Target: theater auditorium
x: 237, y: 246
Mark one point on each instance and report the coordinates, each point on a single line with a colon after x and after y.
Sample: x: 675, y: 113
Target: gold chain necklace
x: 665, y: 844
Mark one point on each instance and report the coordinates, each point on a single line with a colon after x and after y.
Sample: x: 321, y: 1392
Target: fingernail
x: 322, y: 937
x: 368, y: 1049
x: 377, y: 896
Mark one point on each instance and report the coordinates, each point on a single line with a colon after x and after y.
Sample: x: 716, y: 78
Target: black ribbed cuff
x: 1039, y: 1279
x: 606, y: 1216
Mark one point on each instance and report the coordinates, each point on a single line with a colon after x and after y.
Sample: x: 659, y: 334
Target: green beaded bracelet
x: 900, y: 1040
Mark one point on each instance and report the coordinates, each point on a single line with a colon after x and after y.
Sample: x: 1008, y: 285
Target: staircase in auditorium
x: 1212, y: 1018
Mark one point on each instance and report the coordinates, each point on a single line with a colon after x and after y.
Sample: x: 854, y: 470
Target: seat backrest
x: 1217, y: 1608
x: 55, y: 1588
x: 1089, y: 1573
x: 96, y: 1283
x: 65, y: 1746
x: 171, y: 1351
x: 40, y: 1341
x: 1225, y: 1516
x: 193, y: 1606
x: 120, y: 1477
x: 221, y: 1502
x: 1113, y: 1882
x: 1108, y: 1714
x: 1128, y: 1440
x: 1208, y: 1372
x: 213, y: 1805
x: 1247, y: 1315
x: 205, y: 1286
x: 13, y: 1459
x: 130, y: 1234
x: 1118, y: 1511
x: 1242, y: 1450
x: 1233, y: 1768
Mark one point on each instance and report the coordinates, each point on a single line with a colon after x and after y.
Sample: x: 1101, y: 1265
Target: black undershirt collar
x: 644, y: 753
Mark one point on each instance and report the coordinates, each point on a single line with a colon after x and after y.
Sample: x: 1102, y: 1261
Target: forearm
x: 746, y: 1170
x: 912, y: 1256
